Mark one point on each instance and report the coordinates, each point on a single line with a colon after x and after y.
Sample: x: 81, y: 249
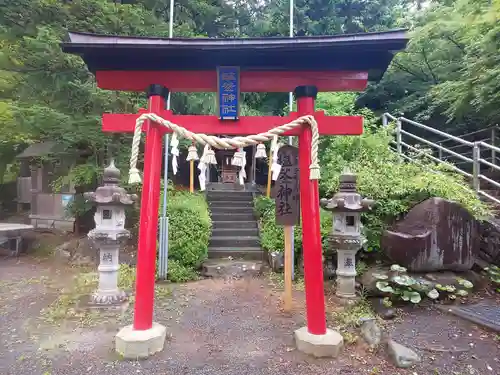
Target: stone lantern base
x: 327, y: 345
x: 132, y: 344
x: 104, y: 299
x: 346, y: 288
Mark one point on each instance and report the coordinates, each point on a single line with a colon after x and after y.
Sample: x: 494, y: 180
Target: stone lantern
x: 109, y: 234
x: 347, y: 206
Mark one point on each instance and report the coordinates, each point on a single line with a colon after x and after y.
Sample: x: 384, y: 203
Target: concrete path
x: 217, y: 328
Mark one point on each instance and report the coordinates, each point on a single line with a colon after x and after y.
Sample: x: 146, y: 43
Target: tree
x: 327, y: 17
x: 448, y: 75
x: 50, y: 94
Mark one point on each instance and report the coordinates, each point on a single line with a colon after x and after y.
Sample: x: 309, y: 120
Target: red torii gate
x: 302, y: 65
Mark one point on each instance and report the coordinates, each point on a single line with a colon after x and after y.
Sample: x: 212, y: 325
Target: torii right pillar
x: 314, y: 339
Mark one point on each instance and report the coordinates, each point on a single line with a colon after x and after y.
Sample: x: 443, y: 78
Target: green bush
x: 272, y: 236
x: 178, y: 273
x: 382, y: 175
x: 189, y: 228
x: 263, y: 206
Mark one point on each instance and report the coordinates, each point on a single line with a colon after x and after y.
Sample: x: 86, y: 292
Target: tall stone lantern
x: 345, y: 237
x: 109, y: 234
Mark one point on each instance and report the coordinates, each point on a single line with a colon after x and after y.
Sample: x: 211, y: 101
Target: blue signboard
x: 65, y: 199
x: 228, y: 95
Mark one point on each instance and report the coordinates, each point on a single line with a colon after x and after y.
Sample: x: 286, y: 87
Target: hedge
x: 190, y: 227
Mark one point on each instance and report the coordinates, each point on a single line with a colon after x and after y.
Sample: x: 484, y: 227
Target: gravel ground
x: 216, y: 327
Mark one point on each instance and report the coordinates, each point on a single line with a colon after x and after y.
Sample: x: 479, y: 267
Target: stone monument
x: 346, y: 206
x: 109, y: 234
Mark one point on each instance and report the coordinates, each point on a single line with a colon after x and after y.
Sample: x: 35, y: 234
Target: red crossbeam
x: 250, y: 81
x: 327, y: 125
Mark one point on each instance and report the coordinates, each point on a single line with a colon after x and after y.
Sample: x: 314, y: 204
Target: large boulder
x: 490, y: 241
x: 435, y: 235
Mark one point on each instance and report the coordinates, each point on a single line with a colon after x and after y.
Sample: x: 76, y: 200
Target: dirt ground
x: 216, y: 327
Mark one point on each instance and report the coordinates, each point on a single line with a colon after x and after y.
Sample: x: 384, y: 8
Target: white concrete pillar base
x: 132, y: 344
x: 327, y: 345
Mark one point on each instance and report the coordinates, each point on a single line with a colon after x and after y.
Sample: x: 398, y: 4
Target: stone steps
x: 231, y: 204
x: 252, y: 224
x: 245, y: 232
x: 249, y: 253
x: 235, y: 231
x: 231, y: 210
x: 239, y: 216
x: 228, y: 196
x: 237, y: 241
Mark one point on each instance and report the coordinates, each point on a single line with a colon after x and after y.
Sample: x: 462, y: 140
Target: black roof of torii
x: 370, y: 52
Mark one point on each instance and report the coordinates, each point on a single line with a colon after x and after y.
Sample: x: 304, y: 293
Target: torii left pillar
x: 146, y: 337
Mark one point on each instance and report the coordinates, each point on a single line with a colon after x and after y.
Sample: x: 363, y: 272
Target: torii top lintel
x: 331, y: 63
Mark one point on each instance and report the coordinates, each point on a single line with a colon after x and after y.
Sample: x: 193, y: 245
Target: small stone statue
x: 109, y: 233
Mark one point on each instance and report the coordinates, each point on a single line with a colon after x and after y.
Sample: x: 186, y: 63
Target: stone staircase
x: 235, y: 231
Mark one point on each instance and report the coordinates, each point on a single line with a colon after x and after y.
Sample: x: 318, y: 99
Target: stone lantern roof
x: 347, y: 199
x: 111, y: 193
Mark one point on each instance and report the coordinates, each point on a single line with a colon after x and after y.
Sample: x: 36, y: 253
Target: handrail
x: 435, y: 131
x: 475, y: 132
x: 471, y: 163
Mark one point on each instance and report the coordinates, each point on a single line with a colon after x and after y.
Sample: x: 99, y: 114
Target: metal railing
x: 472, y: 155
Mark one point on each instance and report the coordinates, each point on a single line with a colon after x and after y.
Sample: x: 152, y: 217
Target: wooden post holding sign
x: 287, y: 197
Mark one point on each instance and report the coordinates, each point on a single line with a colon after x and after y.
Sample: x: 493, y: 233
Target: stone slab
x: 132, y: 344
x: 483, y: 314
x: 327, y: 345
x: 222, y: 268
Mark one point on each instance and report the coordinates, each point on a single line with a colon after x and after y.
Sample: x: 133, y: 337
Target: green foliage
x: 179, y: 273
x: 79, y: 175
x: 78, y: 206
x: 272, y: 236
x: 399, y: 287
x: 263, y: 206
x: 449, y: 74
x: 189, y: 228
x: 396, y: 186
x: 326, y: 17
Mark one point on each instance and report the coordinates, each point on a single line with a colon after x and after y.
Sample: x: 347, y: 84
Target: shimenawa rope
x: 224, y: 143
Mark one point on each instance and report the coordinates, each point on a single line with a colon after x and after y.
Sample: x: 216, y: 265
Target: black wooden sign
x: 286, y: 188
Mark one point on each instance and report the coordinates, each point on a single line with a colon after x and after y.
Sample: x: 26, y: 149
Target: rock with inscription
x: 435, y: 235
x: 489, y: 249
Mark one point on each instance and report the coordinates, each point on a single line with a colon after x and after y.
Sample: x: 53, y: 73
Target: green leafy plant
x: 263, y: 206
x: 493, y: 273
x: 189, y: 228
x: 400, y: 287
x: 79, y: 175
x: 178, y: 273
x: 361, y: 268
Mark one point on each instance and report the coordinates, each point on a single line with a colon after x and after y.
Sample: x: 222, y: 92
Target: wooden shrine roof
x: 369, y: 52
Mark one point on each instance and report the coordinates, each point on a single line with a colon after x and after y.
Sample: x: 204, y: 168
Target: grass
x: 66, y: 306
x: 346, y: 320
x: 277, y: 281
